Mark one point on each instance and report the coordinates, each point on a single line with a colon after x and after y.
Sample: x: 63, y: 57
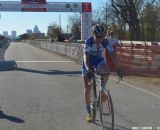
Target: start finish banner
x: 85, y: 8
x: 49, y: 6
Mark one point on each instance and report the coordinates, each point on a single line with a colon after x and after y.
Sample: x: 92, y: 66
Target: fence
x: 139, y: 59
x: 135, y: 58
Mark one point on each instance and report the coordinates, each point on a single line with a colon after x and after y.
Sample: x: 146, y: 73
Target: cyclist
x: 93, y: 56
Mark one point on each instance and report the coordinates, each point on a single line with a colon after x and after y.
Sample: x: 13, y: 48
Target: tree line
x: 135, y: 19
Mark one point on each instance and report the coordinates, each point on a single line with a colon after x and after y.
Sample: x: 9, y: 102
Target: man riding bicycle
x: 93, y: 57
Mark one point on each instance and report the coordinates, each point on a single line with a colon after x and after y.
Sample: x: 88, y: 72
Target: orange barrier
x: 138, y: 59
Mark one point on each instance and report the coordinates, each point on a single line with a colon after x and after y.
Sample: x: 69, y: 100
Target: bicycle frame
x: 97, y: 101
x: 101, y: 89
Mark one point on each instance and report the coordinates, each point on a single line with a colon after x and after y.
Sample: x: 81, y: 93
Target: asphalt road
x: 45, y: 92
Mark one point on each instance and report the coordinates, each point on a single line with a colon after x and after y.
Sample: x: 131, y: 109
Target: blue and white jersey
x: 95, y: 50
x: 95, y: 53
x: 113, y: 42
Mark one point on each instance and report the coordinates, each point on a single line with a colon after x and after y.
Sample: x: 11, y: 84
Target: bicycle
x: 103, y: 101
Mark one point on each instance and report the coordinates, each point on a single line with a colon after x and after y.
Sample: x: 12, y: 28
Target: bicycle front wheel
x: 93, y: 100
x: 106, y: 110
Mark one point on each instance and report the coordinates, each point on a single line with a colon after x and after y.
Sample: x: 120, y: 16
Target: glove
x: 120, y: 73
x: 90, y: 74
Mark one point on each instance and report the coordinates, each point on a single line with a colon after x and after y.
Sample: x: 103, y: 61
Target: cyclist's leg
x: 87, y: 93
x: 103, y: 68
x: 87, y: 98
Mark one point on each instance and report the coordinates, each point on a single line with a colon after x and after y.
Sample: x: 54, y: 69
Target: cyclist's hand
x: 120, y: 73
x: 90, y: 74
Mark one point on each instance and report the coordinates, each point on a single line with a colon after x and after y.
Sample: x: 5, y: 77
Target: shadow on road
x: 12, y: 65
x: 116, y: 127
x: 50, y: 72
x: 8, y: 65
x: 10, y: 118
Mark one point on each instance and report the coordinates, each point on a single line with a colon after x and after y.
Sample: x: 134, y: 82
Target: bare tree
x: 54, y: 31
x: 75, y: 26
x: 128, y: 10
x: 151, y: 21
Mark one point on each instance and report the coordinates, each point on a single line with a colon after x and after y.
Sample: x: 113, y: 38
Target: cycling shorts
x: 93, y: 62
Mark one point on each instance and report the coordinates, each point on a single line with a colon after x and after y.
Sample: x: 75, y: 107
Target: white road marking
x: 135, y: 87
x: 44, y: 61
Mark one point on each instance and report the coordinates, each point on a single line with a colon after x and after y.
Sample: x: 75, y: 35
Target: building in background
x: 36, y: 29
x: 13, y: 34
x: 5, y: 34
x: 29, y: 31
x: 37, y: 34
x: 49, y: 28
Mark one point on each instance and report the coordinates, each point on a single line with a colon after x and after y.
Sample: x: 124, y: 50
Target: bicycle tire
x: 93, y: 102
x: 93, y: 112
x: 106, y: 111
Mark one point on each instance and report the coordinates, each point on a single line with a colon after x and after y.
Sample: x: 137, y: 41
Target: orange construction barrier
x: 138, y: 59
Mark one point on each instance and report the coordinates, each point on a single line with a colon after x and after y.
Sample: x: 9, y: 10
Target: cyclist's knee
x: 87, y: 87
x: 87, y: 83
x: 103, y: 68
x: 106, y: 77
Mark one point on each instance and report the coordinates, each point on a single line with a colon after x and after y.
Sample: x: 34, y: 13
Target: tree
x: 151, y: 21
x: 75, y: 26
x: 128, y: 10
x: 98, y: 17
x: 132, y: 11
x: 24, y: 36
x: 54, y: 31
x: 115, y: 23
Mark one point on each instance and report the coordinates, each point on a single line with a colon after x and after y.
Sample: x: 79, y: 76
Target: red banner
x: 33, y: 1
x: 86, y: 7
x: 34, y: 9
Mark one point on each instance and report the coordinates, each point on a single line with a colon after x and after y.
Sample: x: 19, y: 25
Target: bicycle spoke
x: 106, y: 111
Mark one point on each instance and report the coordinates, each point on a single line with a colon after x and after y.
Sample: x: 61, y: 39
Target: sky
x: 21, y: 21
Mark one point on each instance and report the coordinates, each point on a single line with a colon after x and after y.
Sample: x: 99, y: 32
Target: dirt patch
x: 151, y: 84
x: 147, y: 80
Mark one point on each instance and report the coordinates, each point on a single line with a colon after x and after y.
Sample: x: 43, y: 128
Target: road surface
x: 45, y: 92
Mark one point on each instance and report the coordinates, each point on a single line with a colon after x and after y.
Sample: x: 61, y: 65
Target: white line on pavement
x: 135, y: 87
x: 44, y: 61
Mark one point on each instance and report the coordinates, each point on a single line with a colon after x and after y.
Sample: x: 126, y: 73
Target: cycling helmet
x: 98, y: 30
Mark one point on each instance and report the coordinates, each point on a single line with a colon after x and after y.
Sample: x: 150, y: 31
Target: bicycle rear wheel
x: 106, y: 110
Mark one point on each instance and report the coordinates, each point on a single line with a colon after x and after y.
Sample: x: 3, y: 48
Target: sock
x: 88, y: 108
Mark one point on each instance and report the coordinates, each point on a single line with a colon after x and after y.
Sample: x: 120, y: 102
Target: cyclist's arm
x: 86, y: 60
x: 111, y: 53
x: 86, y: 51
x: 118, y: 68
x: 114, y: 59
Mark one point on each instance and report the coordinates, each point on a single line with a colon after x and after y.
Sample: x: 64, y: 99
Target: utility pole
x: 67, y: 28
x: 60, y: 22
x: 67, y: 32
x: 106, y: 17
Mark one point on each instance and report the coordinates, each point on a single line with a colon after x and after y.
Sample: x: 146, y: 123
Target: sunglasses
x: 99, y: 36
